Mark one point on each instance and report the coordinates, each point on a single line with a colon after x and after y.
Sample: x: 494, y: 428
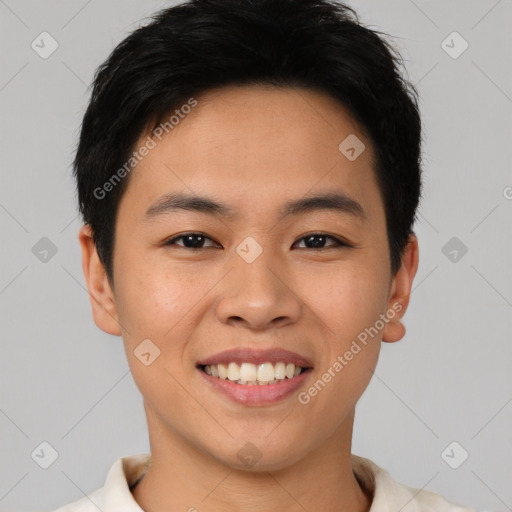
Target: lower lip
x: 256, y: 394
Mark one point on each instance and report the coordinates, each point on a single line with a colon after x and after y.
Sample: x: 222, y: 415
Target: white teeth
x: 247, y: 372
x: 280, y: 369
x: 250, y: 374
x: 233, y: 371
x: 223, y: 371
x: 266, y: 372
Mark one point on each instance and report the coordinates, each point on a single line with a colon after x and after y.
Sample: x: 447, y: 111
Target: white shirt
x: 388, y: 495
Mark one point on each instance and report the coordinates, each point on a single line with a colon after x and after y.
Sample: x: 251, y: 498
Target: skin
x: 253, y: 148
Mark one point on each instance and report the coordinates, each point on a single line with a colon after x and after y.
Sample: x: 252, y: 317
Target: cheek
x: 163, y: 303
x: 349, y: 304
x: 155, y: 305
x: 151, y: 301
x: 347, y: 299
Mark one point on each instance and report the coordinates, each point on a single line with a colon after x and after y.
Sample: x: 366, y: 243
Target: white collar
x: 388, y: 495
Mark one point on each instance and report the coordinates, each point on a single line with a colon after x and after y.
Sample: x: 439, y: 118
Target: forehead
x: 255, y: 145
x: 288, y: 123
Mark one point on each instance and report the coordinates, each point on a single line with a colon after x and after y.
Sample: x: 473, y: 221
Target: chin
x: 259, y: 455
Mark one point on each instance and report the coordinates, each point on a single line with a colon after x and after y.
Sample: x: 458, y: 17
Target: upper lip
x: 248, y: 355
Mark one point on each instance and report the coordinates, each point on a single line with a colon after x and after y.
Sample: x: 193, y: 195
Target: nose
x: 258, y: 295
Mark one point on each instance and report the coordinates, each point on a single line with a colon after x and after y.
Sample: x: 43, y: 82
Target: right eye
x: 194, y: 241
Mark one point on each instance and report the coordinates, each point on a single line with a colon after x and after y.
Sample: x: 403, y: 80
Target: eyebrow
x: 333, y: 201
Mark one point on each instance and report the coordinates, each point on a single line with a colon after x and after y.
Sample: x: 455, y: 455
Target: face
x: 266, y: 269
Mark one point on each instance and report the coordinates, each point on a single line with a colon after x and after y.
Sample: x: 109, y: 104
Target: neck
x: 182, y: 477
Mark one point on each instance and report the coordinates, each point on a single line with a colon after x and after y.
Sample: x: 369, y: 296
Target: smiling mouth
x: 249, y: 374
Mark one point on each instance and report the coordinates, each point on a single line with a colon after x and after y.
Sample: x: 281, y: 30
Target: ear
x: 401, y: 291
x: 100, y: 293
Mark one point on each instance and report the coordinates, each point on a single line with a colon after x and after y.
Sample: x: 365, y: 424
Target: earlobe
x: 401, y: 292
x: 100, y: 292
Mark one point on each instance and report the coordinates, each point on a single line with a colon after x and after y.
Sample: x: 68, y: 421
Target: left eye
x: 317, y: 239
x: 197, y: 240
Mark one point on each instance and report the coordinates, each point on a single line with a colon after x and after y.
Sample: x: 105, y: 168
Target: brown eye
x: 318, y: 240
x: 190, y: 241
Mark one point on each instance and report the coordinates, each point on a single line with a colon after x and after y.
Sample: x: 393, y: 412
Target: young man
x: 249, y: 172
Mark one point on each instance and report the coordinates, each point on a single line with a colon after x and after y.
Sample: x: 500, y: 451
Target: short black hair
x: 199, y: 45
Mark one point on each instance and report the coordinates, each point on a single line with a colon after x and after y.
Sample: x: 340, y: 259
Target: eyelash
x: 339, y: 243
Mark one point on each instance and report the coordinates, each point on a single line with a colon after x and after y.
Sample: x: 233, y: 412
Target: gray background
x: 67, y: 383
